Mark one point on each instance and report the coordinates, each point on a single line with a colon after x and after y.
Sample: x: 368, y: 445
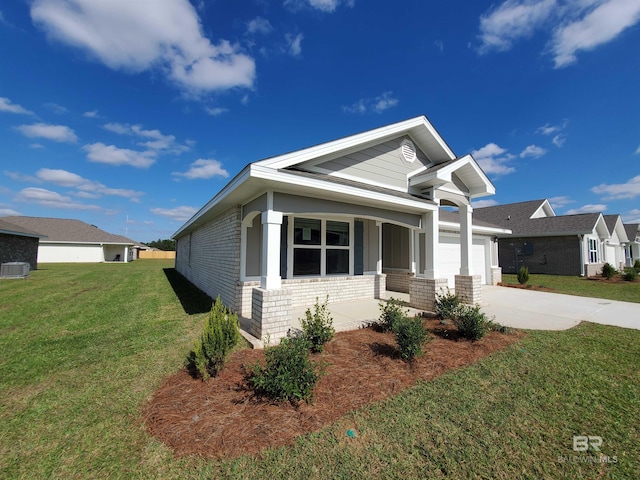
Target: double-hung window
x: 321, y: 247
x: 593, y: 250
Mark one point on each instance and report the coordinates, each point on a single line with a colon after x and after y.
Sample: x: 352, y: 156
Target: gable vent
x: 408, y: 150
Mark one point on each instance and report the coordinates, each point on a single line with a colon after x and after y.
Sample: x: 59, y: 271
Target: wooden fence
x: 156, y: 254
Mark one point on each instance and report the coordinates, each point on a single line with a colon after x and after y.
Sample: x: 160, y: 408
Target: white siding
x: 70, y: 253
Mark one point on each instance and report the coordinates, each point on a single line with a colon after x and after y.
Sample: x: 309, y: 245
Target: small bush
x: 636, y: 266
x: 630, y: 275
x: 220, y: 336
x: 446, y: 305
x: 410, y: 335
x: 523, y: 275
x: 289, y: 374
x: 471, y: 322
x: 608, y: 271
x: 391, y: 312
x: 317, y: 327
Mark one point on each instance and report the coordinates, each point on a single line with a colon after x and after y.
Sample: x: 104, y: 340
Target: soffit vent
x: 408, y: 150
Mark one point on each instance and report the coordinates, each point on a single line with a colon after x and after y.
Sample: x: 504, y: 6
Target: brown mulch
x: 221, y: 418
x: 527, y: 286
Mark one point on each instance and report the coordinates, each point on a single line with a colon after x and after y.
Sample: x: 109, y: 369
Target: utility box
x: 14, y: 270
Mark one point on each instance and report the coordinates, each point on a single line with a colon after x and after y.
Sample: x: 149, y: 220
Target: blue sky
x: 131, y: 115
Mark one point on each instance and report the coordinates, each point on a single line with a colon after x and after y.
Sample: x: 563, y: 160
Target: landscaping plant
x: 523, y: 275
x: 391, y: 312
x: 608, y: 271
x: 630, y: 274
x: 289, y: 374
x: 410, y: 336
x: 471, y: 322
x: 317, y: 327
x: 446, y: 305
x: 636, y: 266
x: 220, y: 336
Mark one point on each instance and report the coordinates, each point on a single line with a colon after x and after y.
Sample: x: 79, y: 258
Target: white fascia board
x: 238, y: 180
x: 68, y: 242
x: 267, y: 173
x: 300, y: 156
x: 479, y: 229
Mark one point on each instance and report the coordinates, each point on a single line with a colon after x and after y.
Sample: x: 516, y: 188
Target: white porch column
x: 412, y: 252
x: 466, y: 240
x: 126, y: 254
x: 270, y: 271
x: 431, y: 242
x: 379, y: 261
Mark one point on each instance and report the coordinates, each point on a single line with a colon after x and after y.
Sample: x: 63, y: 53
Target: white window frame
x: 593, y: 250
x: 323, y: 247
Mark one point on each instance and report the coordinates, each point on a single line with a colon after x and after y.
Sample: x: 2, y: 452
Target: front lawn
x: 84, y: 347
x: 583, y: 287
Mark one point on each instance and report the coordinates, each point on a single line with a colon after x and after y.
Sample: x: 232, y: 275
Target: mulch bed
x: 221, y: 418
x: 528, y: 286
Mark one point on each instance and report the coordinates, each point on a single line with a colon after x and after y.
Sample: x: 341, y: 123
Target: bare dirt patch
x: 221, y: 418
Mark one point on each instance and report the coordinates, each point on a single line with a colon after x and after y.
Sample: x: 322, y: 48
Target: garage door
x: 611, y: 255
x: 450, y: 258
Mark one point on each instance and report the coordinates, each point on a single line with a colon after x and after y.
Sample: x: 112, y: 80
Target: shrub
x: 410, y: 335
x: 446, y: 305
x: 630, y: 275
x: 289, y: 374
x: 471, y: 322
x: 608, y: 271
x: 220, y: 336
x: 317, y: 327
x: 391, y: 312
x: 636, y: 266
x: 523, y: 275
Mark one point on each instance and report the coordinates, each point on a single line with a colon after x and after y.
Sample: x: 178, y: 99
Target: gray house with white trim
x: 350, y: 219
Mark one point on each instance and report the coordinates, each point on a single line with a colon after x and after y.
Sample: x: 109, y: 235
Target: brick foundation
x: 423, y: 292
x: 270, y: 314
x: 469, y: 288
x: 496, y: 275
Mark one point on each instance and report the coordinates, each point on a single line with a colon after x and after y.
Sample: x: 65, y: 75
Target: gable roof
x: 68, y: 230
x: 514, y: 216
x: 12, y: 229
x: 614, y: 224
x: 633, y: 230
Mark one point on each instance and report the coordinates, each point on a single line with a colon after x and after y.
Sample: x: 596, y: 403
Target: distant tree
x: 167, y: 245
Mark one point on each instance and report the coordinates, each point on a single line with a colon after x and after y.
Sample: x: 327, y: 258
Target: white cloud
x: 203, y: 168
x: 558, y: 140
x: 559, y: 202
x: 259, y: 25
x: 599, y: 26
x: 90, y: 114
x: 587, y: 209
x: 156, y: 140
x: 88, y: 188
x: 532, y: 151
x: 47, y: 198
x: 57, y: 133
x: 327, y: 6
x: 511, y: 21
x: 439, y: 44
x: 56, y: 108
x: 18, y: 177
x: 483, y: 203
x: 494, y: 159
x: 112, y: 155
x: 294, y: 44
x: 630, y: 189
x: 139, y: 36
x: 8, y: 212
x: 571, y: 26
x: 376, y: 104
x: 556, y: 130
x: 179, y: 214
x: 632, y: 216
x: 638, y: 151
x: 7, y: 106
x: 215, y: 111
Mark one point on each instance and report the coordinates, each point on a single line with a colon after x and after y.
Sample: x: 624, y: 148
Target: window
x: 321, y: 247
x: 593, y: 250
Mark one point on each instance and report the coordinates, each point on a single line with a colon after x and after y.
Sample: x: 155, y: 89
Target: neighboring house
x: 349, y: 219
x: 632, y: 249
x: 614, y: 247
x: 550, y: 244
x: 69, y: 241
x: 18, y: 244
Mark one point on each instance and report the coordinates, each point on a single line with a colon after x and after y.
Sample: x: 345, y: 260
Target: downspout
x: 581, y: 243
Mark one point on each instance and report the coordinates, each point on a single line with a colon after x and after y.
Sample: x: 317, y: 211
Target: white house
x: 632, y: 249
x: 350, y: 219
x: 74, y: 241
x: 614, y: 247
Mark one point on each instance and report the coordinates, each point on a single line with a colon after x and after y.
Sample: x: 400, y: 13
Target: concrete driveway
x: 530, y: 309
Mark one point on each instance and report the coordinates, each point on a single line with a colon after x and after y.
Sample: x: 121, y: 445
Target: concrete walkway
x: 530, y: 309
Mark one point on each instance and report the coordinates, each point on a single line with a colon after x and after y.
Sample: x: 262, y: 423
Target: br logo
x: 581, y: 443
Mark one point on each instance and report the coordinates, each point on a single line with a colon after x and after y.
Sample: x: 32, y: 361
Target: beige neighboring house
x: 74, y: 241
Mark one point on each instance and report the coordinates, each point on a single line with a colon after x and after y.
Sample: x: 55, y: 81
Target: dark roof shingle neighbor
x: 632, y: 230
x: 12, y: 229
x: 68, y: 230
x: 514, y: 216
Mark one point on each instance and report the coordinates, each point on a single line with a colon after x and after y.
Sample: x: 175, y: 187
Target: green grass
x: 583, y: 287
x: 84, y: 346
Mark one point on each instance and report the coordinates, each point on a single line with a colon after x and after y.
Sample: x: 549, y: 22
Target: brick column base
x: 380, y: 285
x: 423, y: 292
x: 496, y: 275
x: 469, y: 288
x: 270, y: 314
